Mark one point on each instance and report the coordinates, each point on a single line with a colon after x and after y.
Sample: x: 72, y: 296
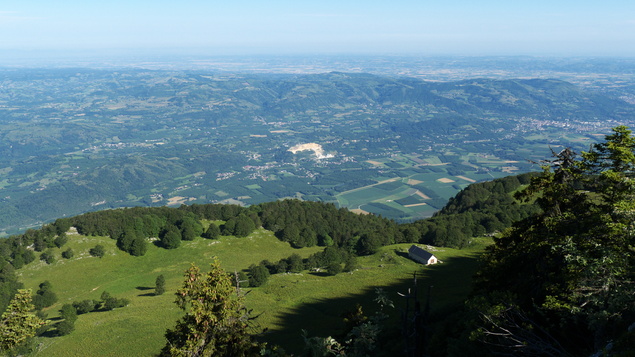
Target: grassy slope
x: 287, y: 302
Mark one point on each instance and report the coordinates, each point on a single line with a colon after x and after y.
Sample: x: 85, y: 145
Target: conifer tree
x: 18, y: 322
x: 216, y: 321
x: 159, y: 285
x: 561, y: 282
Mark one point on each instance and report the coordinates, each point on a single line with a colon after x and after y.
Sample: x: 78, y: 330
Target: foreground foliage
x: 18, y: 322
x: 216, y: 321
x: 561, y: 283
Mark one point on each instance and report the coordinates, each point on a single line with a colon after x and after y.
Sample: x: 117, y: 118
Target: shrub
x: 334, y: 268
x: 97, y: 251
x: 68, y: 253
x: 65, y: 327
x: 48, y: 257
x: 60, y: 240
x: 68, y: 312
x: 84, y: 306
x: 258, y: 275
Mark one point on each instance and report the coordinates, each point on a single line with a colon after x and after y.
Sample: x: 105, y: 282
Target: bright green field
x: 286, y: 304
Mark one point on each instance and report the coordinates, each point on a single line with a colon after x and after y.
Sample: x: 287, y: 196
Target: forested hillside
x: 479, y: 209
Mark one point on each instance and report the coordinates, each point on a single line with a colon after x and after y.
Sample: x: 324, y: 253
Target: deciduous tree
x: 258, y: 275
x: 212, y: 232
x: 97, y: 251
x: 171, y: 238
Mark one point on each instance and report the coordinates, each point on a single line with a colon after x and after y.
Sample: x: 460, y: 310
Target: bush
x: 113, y: 303
x: 138, y: 247
x: 68, y: 253
x: 212, y: 232
x: 68, y: 312
x: 109, y: 302
x: 171, y: 238
x: 60, y: 240
x: 351, y: 264
x: 97, y: 251
x: 334, y: 268
x: 44, y: 299
x: 258, y: 275
x: 48, y: 257
x: 295, y: 263
x: 65, y: 327
x: 243, y: 279
x: 84, y: 306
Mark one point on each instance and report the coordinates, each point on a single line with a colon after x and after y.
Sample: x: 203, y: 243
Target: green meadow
x: 286, y: 304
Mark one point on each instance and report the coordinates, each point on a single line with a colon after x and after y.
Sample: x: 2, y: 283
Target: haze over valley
x: 76, y: 140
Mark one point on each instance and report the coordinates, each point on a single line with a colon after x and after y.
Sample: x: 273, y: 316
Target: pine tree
x: 562, y: 281
x: 18, y: 323
x: 215, y: 321
x: 159, y: 285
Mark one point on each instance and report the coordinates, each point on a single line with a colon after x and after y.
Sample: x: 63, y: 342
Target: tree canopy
x: 561, y: 282
x: 216, y: 321
x: 18, y: 323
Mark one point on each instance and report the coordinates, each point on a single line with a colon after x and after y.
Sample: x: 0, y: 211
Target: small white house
x: 422, y: 256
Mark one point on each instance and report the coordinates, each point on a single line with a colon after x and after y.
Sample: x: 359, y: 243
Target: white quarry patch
x: 316, y: 148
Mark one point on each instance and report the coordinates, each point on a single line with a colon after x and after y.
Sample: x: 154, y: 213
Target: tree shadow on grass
x: 324, y: 317
x: 320, y: 273
x: 402, y: 254
x: 50, y: 333
x: 146, y: 288
x: 447, y: 284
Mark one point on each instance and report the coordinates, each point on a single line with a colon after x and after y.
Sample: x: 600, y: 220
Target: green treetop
x: 215, y: 321
x: 18, y: 322
x: 561, y: 281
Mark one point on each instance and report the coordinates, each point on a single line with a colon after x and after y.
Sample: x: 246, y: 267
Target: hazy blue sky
x: 466, y: 27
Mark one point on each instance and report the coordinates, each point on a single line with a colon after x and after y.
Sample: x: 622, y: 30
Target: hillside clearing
x: 284, y: 304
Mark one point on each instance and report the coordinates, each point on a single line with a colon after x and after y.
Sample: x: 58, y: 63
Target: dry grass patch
x: 466, y: 178
x: 179, y: 200
x: 359, y: 211
x: 422, y: 195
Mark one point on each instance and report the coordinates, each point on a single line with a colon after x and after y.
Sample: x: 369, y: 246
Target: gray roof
x: 418, y: 252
